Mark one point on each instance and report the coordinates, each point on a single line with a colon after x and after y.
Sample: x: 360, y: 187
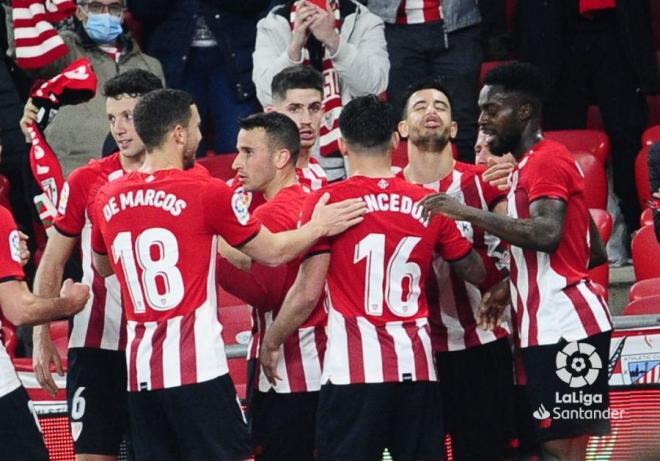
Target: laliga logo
x: 578, y: 364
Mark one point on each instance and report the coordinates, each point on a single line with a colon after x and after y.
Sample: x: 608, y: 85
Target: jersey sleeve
x: 554, y: 179
x: 450, y: 244
x: 323, y: 245
x: 227, y: 213
x: 492, y: 194
x: 98, y: 243
x: 10, y: 250
x: 70, y: 218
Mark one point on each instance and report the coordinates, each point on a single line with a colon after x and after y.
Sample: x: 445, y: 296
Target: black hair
x: 367, y: 123
x: 296, y: 78
x: 429, y: 83
x: 281, y: 131
x: 518, y: 77
x: 158, y: 112
x: 133, y: 82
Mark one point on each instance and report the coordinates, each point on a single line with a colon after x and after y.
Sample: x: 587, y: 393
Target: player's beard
x: 430, y: 141
x: 500, y: 145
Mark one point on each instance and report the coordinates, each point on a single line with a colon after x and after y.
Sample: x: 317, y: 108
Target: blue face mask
x: 103, y: 28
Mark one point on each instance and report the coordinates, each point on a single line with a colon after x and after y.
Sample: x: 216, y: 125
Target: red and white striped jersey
x: 100, y: 324
x: 454, y: 321
x: 378, y: 327
x: 312, y: 177
x: 10, y: 269
x: 419, y: 11
x: 265, y: 288
x: 551, y: 293
x: 160, y: 232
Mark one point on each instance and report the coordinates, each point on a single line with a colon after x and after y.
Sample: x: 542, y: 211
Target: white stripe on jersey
x: 172, y: 353
x: 143, y: 358
x: 371, y: 356
x: 8, y: 379
x: 311, y: 365
x: 404, y: 349
x: 428, y: 348
x: 335, y: 365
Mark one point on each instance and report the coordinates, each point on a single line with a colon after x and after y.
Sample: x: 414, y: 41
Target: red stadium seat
x: 593, y: 141
x: 59, y: 332
x: 645, y: 254
x: 594, y: 119
x: 595, y: 178
x: 218, y: 165
x: 4, y: 192
x: 9, y: 338
x: 644, y: 289
x: 651, y: 135
x: 653, y: 103
x: 642, y: 177
x: 601, y: 274
x: 643, y: 306
x: 646, y: 218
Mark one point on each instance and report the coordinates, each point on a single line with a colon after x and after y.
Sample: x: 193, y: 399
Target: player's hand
x: 656, y: 195
x: 444, y: 204
x: 323, y: 28
x: 335, y: 218
x: 44, y: 353
x: 494, y: 304
x: 305, y: 13
x: 269, y: 356
x: 24, y: 252
x: 76, y: 294
x: 497, y: 174
x: 29, y: 117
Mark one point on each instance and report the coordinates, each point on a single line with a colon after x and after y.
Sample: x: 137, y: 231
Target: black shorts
x: 356, y: 422
x: 197, y: 421
x: 567, y: 387
x: 479, y: 401
x: 97, y: 400
x: 20, y: 434
x: 283, y: 425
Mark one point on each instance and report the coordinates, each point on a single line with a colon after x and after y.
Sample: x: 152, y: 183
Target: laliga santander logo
x: 578, y: 364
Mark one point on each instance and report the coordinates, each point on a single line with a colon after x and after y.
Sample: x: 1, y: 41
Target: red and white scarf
x: 332, y: 103
x: 37, y: 41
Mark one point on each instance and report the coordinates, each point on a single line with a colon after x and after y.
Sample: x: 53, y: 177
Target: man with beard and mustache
x: 474, y: 365
x: 160, y: 224
x: 563, y: 325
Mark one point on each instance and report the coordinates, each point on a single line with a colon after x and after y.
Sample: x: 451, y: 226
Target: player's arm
x: 541, y: 232
x: 102, y: 264
x: 236, y: 257
x: 21, y: 307
x: 598, y: 250
x: 327, y: 220
x: 47, y: 283
x: 470, y: 268
x: 298, y: 305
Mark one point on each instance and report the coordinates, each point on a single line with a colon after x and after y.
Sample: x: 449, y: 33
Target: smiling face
x: 120, y: 115
x: 499, y: 119
x: 428, y: 123
x: 305, y: 107
x: 254, y: 163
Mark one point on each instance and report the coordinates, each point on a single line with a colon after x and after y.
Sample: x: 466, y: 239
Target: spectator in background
x: 206, y: 48
x: 77, y: 133
x: 654, y: 176
x: 437, y: 38
x: 605, y: 56
x: 344, y: 41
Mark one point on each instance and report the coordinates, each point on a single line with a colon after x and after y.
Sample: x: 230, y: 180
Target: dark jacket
x: 654, y: 176
x: 169, y: 26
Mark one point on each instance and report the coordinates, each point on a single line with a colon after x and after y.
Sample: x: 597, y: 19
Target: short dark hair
x: 367, y: 123
x: 518, y: 77
x: 133, y: 82
x: 296, y: 78
x: 281, y: 131
x: 158, y: 112
x: 429, y: 83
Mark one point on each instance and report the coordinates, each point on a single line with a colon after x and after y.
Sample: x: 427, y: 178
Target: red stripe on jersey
x: 418, y: 12
x: 97, y: 314
x: 156, y: 359
x: 421, y: 363
x: 122, y: 332
x: 587, y: 317
x: 135, y: 344
x: 464, y: 311
x: 388, y: 353
x: 355, y: 354
x: 293, y: 361
x: 188, y: 350
x: 321, y: 340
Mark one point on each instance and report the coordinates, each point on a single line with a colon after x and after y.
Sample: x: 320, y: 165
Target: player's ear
x: 453, y: 130
x: 403, y: 129
x: 269, y: 109
x: 282, y: 158
x: 525, y: 112
x: 342, y: 146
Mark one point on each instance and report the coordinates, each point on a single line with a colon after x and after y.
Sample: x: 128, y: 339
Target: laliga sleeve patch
x: 240, y: 205
x: 15, y: 246
x: 64, y: 199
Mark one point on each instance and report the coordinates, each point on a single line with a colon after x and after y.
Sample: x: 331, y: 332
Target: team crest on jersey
x: 76, y: 430
x: 64, y: 199
x: 383, y: 184
x: 240, y: 205
x: 15, y: 246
